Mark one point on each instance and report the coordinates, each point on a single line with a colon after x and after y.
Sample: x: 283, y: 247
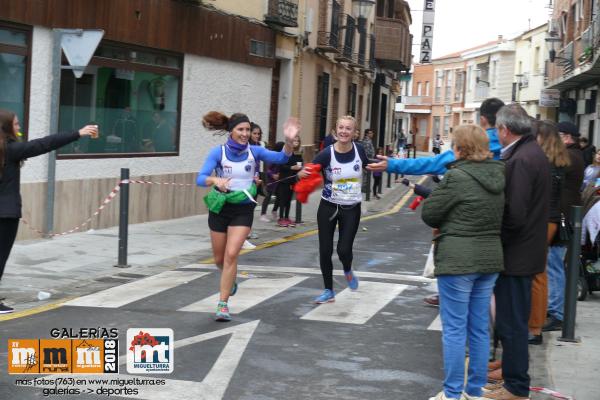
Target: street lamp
x: 361, y: 10
x: 478, y: 79
x: 552, y: 39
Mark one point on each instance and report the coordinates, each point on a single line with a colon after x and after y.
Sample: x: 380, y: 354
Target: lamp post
x: 361, y: 10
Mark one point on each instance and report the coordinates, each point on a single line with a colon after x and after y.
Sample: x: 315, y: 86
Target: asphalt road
x: 380, y: 342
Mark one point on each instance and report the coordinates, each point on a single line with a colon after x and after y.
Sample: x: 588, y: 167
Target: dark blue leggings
x: 348, y: 218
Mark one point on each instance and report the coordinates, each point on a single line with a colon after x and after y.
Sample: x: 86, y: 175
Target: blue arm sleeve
x: 268, y: 156
x: 421, y: 166
x: 213, y: 159
x: 495, y: 145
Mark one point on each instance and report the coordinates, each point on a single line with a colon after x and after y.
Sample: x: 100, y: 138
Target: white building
x: 490, y: 73
x: 530, y: 55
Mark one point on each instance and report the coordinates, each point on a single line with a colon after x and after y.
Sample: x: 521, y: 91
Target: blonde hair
x: 552, y: 145
x: 346, y: 118
x: 472, y: 142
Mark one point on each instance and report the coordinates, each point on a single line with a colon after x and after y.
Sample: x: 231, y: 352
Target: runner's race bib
x: 346, y: 191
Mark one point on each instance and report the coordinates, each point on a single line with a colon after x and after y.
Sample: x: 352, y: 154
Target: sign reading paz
x: 427, y: 32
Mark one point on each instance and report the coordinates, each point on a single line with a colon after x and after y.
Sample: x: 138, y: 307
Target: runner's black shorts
x: 231, y: 215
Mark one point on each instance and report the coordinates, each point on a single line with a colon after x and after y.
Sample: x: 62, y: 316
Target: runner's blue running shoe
x: 233, y: 290
x: 222, y: 312
x: 326, y: 297
x: 352, y: 280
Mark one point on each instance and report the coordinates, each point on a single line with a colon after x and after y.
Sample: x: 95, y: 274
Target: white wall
x: 505, y: 75
x: 208, y: 84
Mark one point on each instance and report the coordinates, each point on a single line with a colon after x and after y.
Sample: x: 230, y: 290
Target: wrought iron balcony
x: 283, y: 13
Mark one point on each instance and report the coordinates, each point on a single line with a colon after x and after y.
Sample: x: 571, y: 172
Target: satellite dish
x: 79, y: 47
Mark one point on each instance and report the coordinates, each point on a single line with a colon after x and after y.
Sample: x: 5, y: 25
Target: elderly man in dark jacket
x: 524, y: 227
x: 571, y: 196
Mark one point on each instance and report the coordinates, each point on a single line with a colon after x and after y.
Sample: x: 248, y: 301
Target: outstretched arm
x: 421, y: 166
x: 22, y: 150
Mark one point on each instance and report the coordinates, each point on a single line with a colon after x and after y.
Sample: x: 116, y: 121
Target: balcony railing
x: 566, y: 60
x: 347, y: 32
x: 283, y: 13
x: 416, y: 100
x: 328, y: 41
x: 482, y: 92
x: 394, y: 43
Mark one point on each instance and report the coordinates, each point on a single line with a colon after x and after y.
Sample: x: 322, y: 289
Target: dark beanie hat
x: 568, y: 128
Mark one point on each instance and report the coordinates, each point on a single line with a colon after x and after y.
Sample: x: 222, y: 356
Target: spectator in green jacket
x: 467, y: 208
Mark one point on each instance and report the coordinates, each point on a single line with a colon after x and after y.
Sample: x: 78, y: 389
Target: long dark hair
x: 7, y: 134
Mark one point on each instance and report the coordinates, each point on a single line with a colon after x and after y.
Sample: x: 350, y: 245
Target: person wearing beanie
x: 231, y: 200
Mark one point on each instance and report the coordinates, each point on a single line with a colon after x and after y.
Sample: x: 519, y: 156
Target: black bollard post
x: 368, y: 186
x: 380, y: 186
x: 298, y: 218
x: 123, y: 218
x: 389, y: 182
x: 573, y: 265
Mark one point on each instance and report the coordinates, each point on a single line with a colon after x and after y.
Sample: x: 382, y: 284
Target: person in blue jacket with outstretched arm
x: 437, y: 165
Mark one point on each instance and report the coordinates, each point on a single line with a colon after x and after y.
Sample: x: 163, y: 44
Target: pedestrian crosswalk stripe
x: 250, y: 293
x: 436, y: 325
x: 121, y: 295
x: 357, y: 307
x: 316, y: 271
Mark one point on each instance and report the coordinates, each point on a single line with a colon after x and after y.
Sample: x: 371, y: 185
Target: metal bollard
x: 123, y: 218
x: 368, y: 186
x: 298, y: 218
x: 380, y: 186
x: 573, y: 265
x: 389, y: 181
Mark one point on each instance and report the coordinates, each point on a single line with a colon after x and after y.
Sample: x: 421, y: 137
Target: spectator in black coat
x: 12, y: 152
x: 524, y: 229
x: 588, y: 149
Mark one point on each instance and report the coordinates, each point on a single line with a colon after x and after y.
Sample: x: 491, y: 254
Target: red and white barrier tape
x: 550, y: 392
x: 158, y: 183
x: 104, y: 203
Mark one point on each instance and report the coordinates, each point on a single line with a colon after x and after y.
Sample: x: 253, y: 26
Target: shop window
x: 14, y: 71
x: 133, y: 95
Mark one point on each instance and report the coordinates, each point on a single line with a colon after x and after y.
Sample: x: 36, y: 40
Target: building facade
x: 489, y: 73
x: 146, y: 88
x: 162, y: 64
x: 574, y: 64
x: 529, y: 74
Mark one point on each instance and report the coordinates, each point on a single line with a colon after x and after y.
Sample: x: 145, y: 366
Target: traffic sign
x: 79, y: 46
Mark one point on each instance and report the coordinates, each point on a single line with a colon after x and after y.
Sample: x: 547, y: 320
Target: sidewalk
x: 81, y: 263
x: 572, y: 369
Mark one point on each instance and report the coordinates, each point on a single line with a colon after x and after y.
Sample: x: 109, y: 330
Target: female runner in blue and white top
x: 342, y: 165
x: 231, y: 201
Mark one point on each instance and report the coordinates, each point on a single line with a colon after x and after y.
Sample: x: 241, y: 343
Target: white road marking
x: 121, y: 295
x: 315, y: 271
x: 212, y: 387
x: 436, y: 325
x: 357, y: 307
x: 250, y: 293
